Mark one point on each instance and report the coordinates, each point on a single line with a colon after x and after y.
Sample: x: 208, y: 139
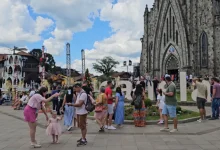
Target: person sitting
x: 22, y: 101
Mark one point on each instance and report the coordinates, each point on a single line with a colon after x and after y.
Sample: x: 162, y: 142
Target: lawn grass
x: 180, y: 117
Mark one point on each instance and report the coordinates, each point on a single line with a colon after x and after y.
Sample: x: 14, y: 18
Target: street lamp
x: 125, y: 64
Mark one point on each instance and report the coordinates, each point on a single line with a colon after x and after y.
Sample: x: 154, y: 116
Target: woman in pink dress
x: 35, y: 104
x: 54, y: 128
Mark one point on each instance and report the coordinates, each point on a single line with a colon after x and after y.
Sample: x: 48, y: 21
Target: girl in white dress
x: 160, y: 104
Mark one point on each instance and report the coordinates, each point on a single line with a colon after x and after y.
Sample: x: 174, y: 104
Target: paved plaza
x: 191, y: 136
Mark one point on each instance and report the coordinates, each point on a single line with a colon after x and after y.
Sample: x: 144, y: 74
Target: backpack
x: 138, y: 102
x: 89, y: 106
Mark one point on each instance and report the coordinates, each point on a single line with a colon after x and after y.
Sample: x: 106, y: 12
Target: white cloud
x: 126, y: 20
x: 17, y: 27
x: 70, y: 15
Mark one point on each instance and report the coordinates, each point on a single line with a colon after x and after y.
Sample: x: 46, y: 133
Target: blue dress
x: 119, y: 112
x: 68, y: 115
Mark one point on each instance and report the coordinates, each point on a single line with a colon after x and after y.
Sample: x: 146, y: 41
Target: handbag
x: 99, y: 108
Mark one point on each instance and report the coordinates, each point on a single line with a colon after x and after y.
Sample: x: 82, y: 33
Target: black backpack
x: 138, y: 102
x: 89, y: 106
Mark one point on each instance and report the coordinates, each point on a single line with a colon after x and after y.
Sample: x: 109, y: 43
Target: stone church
x: 181, y: 35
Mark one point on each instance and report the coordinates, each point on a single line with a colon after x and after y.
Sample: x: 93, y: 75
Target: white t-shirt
x: 82, y: 96
x: 161, y: 100
x: 190, y: 76
x: 32, y: 93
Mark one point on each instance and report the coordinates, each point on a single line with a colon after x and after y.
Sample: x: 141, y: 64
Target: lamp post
x: 127, y: 65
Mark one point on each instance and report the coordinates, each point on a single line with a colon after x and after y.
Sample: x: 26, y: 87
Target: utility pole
x: 68, y: 64
x: 83, y: 62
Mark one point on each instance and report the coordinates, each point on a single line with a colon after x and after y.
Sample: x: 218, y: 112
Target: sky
x: 100, y: 27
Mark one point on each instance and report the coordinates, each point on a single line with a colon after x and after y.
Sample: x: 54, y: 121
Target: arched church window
x: 158, y: 4
x: 174, y: 28
x: 177, y: 37
x: 167, y: 30
x: 10, y: 70
x: 170, y: 24
x: 150, y: 55
x: 164, y: 39
x: 204, y: 50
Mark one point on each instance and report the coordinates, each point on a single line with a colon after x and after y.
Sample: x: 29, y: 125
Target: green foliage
x: 128, y: 110
x: 105, y: 66
x: 37, y: 53
x: 87, y: 77
x: 148, y: 103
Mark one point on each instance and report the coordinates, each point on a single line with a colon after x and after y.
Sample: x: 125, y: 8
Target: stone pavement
x: 191, y: 136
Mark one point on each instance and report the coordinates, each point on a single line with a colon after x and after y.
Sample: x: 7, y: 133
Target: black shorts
x: 201, y: 103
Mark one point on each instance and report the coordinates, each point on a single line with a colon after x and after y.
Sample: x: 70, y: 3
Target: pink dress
x: 54, y: 128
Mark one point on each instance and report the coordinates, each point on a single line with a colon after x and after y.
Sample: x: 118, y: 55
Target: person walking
x: 55, y: 100
x: 155, y: 86
x: 139, y: 114
x: 170, y: 105
x: 34, y: 104
x: 68, y: 110
x: 101, y: 109
x: 108, y: 92
x: 119, y: 107
x: 215, y: 99
x: 81, y: 111
x: 201, y: 99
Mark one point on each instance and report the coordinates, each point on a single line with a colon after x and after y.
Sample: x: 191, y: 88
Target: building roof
x: 22, y: 53
x: 2, y: 57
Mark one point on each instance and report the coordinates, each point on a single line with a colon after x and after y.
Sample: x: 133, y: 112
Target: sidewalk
x: 192, y: 128
x: 192, y: 136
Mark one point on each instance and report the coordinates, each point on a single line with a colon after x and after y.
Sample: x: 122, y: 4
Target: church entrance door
x: 172, y: 67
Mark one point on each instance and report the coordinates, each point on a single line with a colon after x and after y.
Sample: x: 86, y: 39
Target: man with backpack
x: 170, y: 105
x: 81, y: 111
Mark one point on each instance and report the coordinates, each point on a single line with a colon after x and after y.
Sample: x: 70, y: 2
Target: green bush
x: 148, y: 103
x: 128, y: 110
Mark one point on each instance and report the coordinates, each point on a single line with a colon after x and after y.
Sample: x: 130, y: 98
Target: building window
x: 150, y: 55
x: 170, y: 25
x: 167, y: 30
x: 177, y: 38
x: 10, y: 70
x: 204, y: 50
x: 164, y: 39
x: 174, y: 28
x: 158, y: 4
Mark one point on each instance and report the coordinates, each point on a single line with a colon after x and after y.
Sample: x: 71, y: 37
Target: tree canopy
x: 50, y: 60
x: 105, y: 66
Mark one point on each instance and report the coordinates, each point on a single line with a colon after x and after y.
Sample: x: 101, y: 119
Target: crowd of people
x: 70, y: 104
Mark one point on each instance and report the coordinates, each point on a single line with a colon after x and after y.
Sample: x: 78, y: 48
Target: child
x: 54, y: 127
x: 160, y: 104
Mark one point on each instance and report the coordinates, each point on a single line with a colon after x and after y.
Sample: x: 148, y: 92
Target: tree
x: 105, y: 66
x: 50, y: 60
x: 87, y: 77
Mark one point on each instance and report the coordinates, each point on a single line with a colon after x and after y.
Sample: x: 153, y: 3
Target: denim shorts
x: 169, y: 110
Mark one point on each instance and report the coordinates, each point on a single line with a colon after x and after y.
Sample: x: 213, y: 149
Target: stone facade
x: 181, y: 35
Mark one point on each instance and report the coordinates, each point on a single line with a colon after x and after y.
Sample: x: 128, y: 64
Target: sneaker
x: 81, y: 140
x: 174, y: 130
x: 160, y: 122
x: 106, y: 127
x: 165, y: 130
x: 200, y: 120
x: 69, y: 128
x: 35, y: 145
x: 102, y: 130
x: 111, y: 128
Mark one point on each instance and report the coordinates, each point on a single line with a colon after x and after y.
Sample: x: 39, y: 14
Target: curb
x: 154, y: 122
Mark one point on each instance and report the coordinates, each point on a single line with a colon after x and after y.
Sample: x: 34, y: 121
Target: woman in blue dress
x: 68, y: 110
x: 119, y: 107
